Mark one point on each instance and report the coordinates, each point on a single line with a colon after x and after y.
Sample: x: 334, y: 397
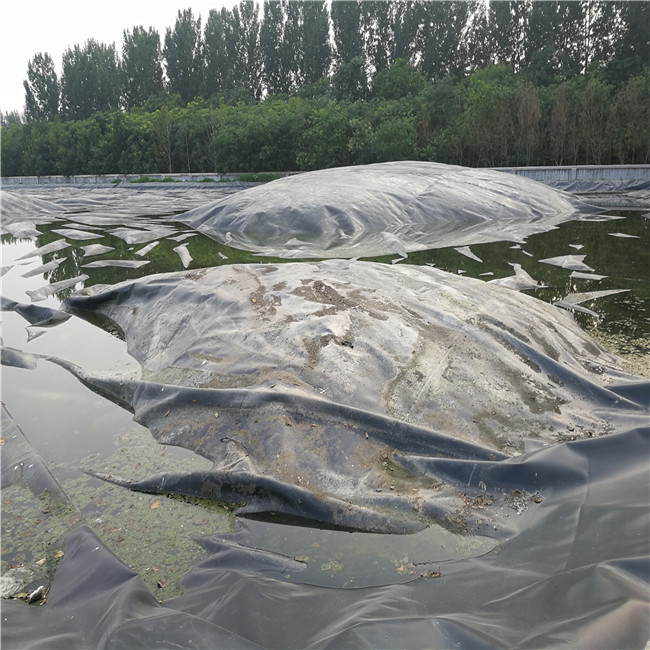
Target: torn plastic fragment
x: 571, y: 262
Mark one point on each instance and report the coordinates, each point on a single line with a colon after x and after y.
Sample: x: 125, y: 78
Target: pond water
x: 74, y: 429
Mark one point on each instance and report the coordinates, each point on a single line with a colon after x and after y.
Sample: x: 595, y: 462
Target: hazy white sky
x: 34, y: 26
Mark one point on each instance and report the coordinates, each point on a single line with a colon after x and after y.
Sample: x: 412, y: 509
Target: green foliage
x: 141, y: 66
x: 350, y: 81
x: 183, y: 56
x: 148, y: 179
x: 494, y: 117
x: 218, y: 73
x: 258, y: 178
x: 347, y: 27
x: 41, y: 89
x: 398, y: 80
x: 90, y: 81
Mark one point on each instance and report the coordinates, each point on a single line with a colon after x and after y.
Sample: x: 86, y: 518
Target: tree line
x: 304, y: 84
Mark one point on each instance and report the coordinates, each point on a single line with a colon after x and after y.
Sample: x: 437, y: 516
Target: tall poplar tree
x: 90, y: 80
x: 378, y: 20
x: 552, y: 50
x: 249, y: 50
x: 41, y: 89
x: 142, y: 74
x: 439, y: 38
x: 273, y: 48
x: 218, y: 76
x: 633, y: 46
x: 347, y: 26
x: 242, y: 40
x: 183, y: 55
x: 316, y: 51
x: 602, y: 28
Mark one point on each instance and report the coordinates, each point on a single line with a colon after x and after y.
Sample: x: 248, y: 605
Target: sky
x: 52, y: 27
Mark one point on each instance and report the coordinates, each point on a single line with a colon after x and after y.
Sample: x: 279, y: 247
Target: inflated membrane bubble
x: 382, y: 209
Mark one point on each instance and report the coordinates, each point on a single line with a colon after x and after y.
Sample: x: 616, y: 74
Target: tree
x: 378, y: 19
x: 273, y: 48
x: 325, y: 141
x: 438, y: 38
x: 552, y: 46
x: 90, y: 80
x: 630, y: 118
x: 142, y: 72
x: 347, y: 26
x: 594, y: 127
x: 394, y: 139
x: 42, y: 91
x: 601, y: 28
x: 242, y: 31
x: 633, y: 45
x: 507, y: 32
x: 250, y: 57
x: 294, y: 44
x: 183, y: 56
x: 397, y: 81
x: 218, y: 68
x: 489, y: 115
x: 10, y: 119
x: 316, y: 51
x: 439, y: 110
x: 528, y: 123
x: 563, y: 127
x: 350, y: 81
x: 475, y: 38
x: 164, y: 136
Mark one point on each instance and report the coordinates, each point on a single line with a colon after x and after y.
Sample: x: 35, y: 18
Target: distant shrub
x: 258, y: 178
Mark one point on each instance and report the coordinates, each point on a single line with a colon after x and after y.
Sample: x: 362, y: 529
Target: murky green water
x: 74, y: 429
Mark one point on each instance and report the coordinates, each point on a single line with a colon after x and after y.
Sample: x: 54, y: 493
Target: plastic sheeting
x: 573, y: 574
x: 371, y: 397
x: 274, y: 370
x: 332, y: 390
x: 382, y: 209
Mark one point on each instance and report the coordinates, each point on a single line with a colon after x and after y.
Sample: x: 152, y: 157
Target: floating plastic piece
x: 599, y: 217
x: 35, y: 315
x: 520, y: 281
x: 184, y: 254
x: 126, y: 264
x: 577, y: 298
x: 465, y: 250
x: 73, y: 233
x: 44, y: 268
x: 52, y: 247
x: 147, y: 248
x: 572, y: 262
x: 21, y: 229
x: 96, y: 249
x: 132, y: 236
x: 586, y: 276
x: 570, y: 306
x: 573, y: 300
x: 623, y: 235
x: 50, y: 289
x: 183, y: 237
